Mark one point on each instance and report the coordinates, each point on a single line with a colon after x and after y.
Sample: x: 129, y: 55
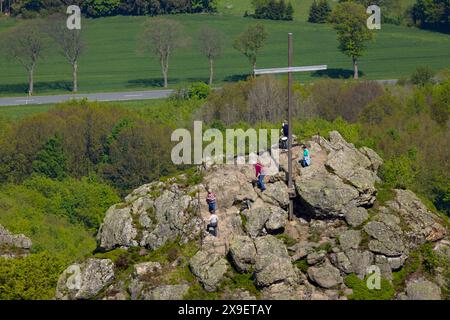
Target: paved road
x: 113, y: 96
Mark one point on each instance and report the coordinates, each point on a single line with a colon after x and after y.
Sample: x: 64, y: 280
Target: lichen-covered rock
x: 84, y: 281
x: 326, y: 276
x: 356, y: 216
x: 421, y: 289
x: 167, y: 292
x: 145, y: 268
x: 243, y: 253
x: 316, y: 257
x: 273, y: 263
x: 350, y: 239
x: 15, y: 240
x: 209, y: 269
x: 284, y: 291
x: 268, y: 218
x: 386, y: 239
x: 117, y: 229
x: 423, y: 225
x: 276, y: 194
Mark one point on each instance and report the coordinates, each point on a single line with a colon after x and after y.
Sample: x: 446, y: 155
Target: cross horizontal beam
x: 291, y: 69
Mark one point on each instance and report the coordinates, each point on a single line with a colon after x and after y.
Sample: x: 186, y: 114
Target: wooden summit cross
x: 289, y: 70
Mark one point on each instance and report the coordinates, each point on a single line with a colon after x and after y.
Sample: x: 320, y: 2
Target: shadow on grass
x: 159, y: 82
x: 39, y: 87
x: 236, y: 77
x: 336, y: 74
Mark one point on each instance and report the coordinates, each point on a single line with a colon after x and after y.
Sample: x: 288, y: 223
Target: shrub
x: 30, y: 278
x: 199, y: 90
x: 422, y: 76
x: 362, y: 292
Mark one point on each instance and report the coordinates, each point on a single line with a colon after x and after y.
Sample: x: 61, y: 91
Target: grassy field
x: 111, y: 61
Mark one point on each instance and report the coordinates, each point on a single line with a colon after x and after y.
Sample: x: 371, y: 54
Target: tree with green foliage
x: 350, y: 22
x: 250, y: 42
x: 432, y: 14
x: 319, y: 12
x: 273, y: 10
x: 422, y: 75
x: 51, y: 160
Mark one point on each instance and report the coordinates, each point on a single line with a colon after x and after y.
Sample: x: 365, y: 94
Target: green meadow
x: 111, y: 61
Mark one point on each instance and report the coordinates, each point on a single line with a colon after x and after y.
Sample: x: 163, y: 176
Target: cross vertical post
x: 289, y: 70
x: 290, y: 183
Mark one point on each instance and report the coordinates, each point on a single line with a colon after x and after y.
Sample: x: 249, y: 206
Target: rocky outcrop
x: 84, y: 281
x: 260, y: 221
x: 13, y: 245
x: 167, y: 292
x: 326, y: 276
x: 272, y: 263
x: 243, y: 253
x: 421, y: 289
x: 209, y: 269
x: 151, y: 219
x: 337, y: 230
x: 341, y: 181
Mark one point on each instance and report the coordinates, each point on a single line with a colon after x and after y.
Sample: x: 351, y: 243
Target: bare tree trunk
x: 355, y: 68
x: 211, y: 71
x: 30, y: 81
x: 75, y: 76
x: 165, y: 69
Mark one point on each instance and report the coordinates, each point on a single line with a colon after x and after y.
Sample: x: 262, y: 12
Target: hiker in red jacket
x: 260, y: 174
x: 211, y: 200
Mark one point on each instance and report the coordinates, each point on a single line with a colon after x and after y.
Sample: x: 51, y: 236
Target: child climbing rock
x: 306, y: 161
x: 260, y: 172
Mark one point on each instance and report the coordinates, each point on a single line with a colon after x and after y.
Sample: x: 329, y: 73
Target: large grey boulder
x: 264, y: 219
x: 423, y: 225
x: 356, y: 216
x: 276, y: 194
x: 325, y: 194
x: 167, y: 292
x: 151, y: 222
x: 84, y: 281
x: 421, y: 289
x: 117, y: 229
x: 343, y: 181
x: 209, y: 269
x: 273, y: 263
x: 15, y: 240
x: 350, y: 239
x: 243, y: 253
x: 326, y: 276
x: 284, y: 291
x: 386, y: 239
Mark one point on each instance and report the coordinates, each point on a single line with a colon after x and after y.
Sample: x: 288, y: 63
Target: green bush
x: 362, y: 292
x: 84, y: 200
x: 30, y: 278
x: 422, y: 76
x: 199, y: 90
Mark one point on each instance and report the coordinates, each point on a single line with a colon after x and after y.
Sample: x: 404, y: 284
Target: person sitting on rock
x: 211, y: 200
x: 306, y: 161
x: 213, y: 224
x: 260, y: 174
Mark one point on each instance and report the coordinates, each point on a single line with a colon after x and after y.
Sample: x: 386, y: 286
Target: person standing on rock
x: 211, y: 200
x: 306, y: 161
x: 260, y: 174
x: 213, y: 224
